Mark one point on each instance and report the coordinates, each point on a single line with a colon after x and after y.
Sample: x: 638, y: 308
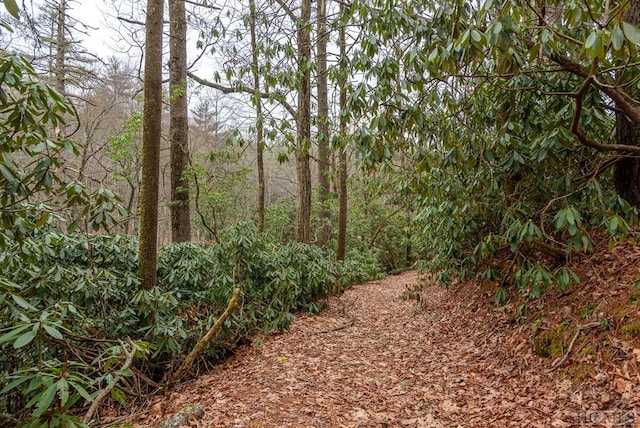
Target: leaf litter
x: 374, y: 358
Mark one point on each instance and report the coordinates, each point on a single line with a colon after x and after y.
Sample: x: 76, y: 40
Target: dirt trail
x: 375, y: 360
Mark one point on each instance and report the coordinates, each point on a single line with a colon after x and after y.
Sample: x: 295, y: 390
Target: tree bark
x: 342, y: 158
x: 179, y: 126
x: 303, y: 207
x: 259, y: 118
x: 626, y: 173
x: 61, y: 47
x: 151, y: 135
x: 323, y: 125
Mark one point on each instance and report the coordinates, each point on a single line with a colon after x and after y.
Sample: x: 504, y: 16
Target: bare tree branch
x: 584, y: 140
x: 208, y: 6
x: 623, y: 101
x: 288, y: 11
x: 244, y: 89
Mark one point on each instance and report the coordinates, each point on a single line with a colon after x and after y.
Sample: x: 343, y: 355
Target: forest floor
x: 373, y: 358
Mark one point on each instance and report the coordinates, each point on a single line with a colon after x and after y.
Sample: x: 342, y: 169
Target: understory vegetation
x: 490, y: 140
x: 71, y: 310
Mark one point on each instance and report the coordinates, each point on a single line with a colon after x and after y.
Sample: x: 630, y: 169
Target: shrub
x: 64, y: 320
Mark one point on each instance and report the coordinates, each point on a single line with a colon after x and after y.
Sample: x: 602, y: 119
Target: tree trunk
x: 179, y: 127
x: 408, y: 249
x: 259, y: 118
x: 151, y: 135
x: 303, y: 207
x: 342, y: 159
x: 323, y: 126
x: 626, y: 174
x: 61, y: 47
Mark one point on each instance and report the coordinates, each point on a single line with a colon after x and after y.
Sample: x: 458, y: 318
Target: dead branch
x: 573, y: 341
x: 204, y: 341
x: 190, y: 412
x: 105, y: 392
x: 381, y: 226
x: 244, y: 89
x: 584, y: 140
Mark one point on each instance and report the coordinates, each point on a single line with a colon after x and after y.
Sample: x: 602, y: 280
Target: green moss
x: 582, y: 372
x: 587, y: 350
x: 586, y: 310
x: 631, y: 330
x: 550, y: 344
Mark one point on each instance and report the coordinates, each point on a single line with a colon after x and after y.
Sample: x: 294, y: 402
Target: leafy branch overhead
x: 328, y: 143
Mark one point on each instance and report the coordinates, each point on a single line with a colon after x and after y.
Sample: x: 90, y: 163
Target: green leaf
x: 8, y: 337
x: 594, y: 45
x: 22, y: 303
x: 12, y: 8
x: 118, y: 395
x: 7, y: 174
x: 83, y: 392
x: 26, y: 338
x: 125, y: 373
x: 63, y: 390
x: 631, y: 32
x: 613, y: 225
x: 46, y: 398
x: 590, y: 40
x: 570, y: 217
x: 52, y: 331
x: 617, y: 38
x: 19, y: 381
x: 561, y: 218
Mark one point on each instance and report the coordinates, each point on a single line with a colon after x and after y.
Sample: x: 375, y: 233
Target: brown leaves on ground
x: 374, y: 359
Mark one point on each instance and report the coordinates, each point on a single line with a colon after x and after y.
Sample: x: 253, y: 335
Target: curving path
x: 374, y: 359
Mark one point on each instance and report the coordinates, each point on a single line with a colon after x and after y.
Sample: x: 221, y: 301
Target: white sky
x: 92, y: 14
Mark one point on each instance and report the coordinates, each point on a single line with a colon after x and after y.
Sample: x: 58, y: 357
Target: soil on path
x: 374, y: 359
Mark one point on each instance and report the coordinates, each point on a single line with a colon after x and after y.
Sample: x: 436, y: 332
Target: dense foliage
x: 71, y: 309
x: 62, y: 320
x: 505, y: 113
x: 489, y: 137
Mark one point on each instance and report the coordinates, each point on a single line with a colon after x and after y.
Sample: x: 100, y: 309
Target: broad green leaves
x: 31, y: 149
x: 66, y: 301
x: 594, y: 45
x: 631, y: 32
x: 482, y: 100
x: 31, y: 111
x: 12, y: 7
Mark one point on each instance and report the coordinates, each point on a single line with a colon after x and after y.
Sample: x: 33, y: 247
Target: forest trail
x: 374, y: 359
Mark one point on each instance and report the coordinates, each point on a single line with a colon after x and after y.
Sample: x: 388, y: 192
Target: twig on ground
x: 573, y: 341
x: 338, y: 328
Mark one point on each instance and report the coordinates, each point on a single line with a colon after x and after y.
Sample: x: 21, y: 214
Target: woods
x: 289, y: 149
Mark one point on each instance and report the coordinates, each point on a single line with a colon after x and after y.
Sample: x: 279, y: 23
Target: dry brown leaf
x: 448, y: 362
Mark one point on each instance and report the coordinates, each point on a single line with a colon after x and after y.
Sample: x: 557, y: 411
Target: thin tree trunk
x: 259, y: 118
x: 179, y: 127
x: 323, y: 125
x: 408, y: 250
x: 61, y: 47
x: 342, y: 158
x: 303, y: 208
x: 626, y: 174
x: 151, y: 135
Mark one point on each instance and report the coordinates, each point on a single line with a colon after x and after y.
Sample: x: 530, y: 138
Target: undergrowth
x: 69, y: 304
